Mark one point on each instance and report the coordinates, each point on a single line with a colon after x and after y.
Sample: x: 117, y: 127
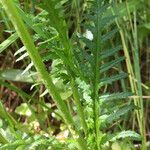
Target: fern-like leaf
x: 127, y: 134
x: 115, y: 96
x: 116, y: 115
x: 110, y: 64
x: 109, y: 80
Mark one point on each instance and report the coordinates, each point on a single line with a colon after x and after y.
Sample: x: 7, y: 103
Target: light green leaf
x: 127, y: 134
x: 114, y: 96
x: 23, y: 109
x: 8, y: 42
x: 3, y: 140
x: 147, y: 26
x: 17, y: 75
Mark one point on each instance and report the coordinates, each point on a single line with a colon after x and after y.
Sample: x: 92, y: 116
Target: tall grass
x: 134, y: 70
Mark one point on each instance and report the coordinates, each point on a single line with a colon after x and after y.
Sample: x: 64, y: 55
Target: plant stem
x: 35, y: 57
x: 78, y: 104
x: 139, y: 87
x: 96, y: 81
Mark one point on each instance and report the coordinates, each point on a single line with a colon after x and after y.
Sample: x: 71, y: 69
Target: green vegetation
x: 78, y: 79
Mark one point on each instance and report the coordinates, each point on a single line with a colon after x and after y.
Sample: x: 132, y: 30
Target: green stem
x: 138, y: 77
x: 78, y: 104
x: 96, y: 81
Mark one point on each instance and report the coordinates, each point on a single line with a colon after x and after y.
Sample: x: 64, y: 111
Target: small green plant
x: 82, y: 63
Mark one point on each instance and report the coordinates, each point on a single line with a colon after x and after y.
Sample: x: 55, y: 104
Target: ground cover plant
x: 71, y: 74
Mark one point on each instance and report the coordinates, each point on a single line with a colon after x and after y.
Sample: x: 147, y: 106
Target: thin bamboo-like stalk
x: 138, y: 77
x: 134, y: 77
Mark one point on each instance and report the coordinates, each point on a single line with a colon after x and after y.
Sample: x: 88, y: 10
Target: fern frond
x: 56, y: 17
x: 109, y: 80
x: 116, y: 115
x: 109, y: 35
x: 110, y: 64
x: 96, y: 60
x: 29, y: 20
x: 127, y: 134
x: 121, y: 135
x: 115, y: 96
x: 107, y: 21
x: 109, y: 52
